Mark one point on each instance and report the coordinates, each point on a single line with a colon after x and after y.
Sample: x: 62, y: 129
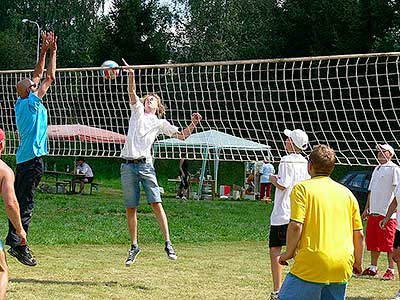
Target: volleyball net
x: 349, y: 102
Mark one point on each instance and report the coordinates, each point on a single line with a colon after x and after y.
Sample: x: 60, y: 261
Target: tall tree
x: 75, y: 23
x: 313, y: 27
x: 139, y: 31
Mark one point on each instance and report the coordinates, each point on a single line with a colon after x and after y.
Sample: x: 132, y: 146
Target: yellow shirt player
x: 324, y: 235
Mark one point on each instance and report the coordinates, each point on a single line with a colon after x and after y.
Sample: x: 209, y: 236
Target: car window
x: 358, y: 181
x: 345, y: 178
x: 366, y: 181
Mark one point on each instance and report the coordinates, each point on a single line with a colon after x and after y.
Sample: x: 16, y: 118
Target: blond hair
x: 160, y: 108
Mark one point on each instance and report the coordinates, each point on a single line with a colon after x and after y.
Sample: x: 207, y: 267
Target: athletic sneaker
x: 132, y: 254
x: 23, y: 254
x: 397, y: 297
x: 274, y: 296
x: 389, y: 275
x: 369, y: 272
x: 170, y: 251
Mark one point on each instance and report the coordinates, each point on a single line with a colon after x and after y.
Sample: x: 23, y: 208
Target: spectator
x: 184, y: 176
x: 393, y: 207
x: 267, y: 169
x: 384, y: 179
x: 325, y: 234
x: 137, y: 167
x: 82, y: 168
x: 31, y: 121
x: 292, y: 169
x: 13, y: 213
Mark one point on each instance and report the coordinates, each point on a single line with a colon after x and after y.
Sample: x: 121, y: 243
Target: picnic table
x: 63, y: 179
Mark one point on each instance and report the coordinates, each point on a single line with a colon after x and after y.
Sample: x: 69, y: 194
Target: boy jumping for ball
x: 137, y: 167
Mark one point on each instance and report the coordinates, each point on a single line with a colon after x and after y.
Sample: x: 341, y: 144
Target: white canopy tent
x: 211, y: 144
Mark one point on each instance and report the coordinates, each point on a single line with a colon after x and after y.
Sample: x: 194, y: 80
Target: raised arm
x: 196, y: 118
x: 51, y: 68
x: 11, y: 203
x: 133, y: 98
x: 39, y: 68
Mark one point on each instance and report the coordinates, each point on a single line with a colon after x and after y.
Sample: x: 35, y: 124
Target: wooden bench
x: 62, y: 187
x: 94, y: 185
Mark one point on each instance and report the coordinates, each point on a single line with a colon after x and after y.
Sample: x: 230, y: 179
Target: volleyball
x: 112, y: 71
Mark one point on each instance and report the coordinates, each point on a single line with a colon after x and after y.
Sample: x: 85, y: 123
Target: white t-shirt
x: 292, y: 169
x: 383, y: 182
x: 397, y: 194
x: 143, y: 130
x: 85, y: 169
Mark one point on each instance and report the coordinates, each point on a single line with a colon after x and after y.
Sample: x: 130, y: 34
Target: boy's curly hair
x: 161, y: 107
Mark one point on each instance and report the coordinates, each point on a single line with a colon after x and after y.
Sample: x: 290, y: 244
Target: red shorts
x: 378, y: 239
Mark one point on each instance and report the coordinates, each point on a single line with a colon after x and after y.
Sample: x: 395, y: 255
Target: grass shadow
x: 80, y: 283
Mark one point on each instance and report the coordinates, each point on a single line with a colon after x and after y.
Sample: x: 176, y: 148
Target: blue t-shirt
x: 266, y: 170
x: 31, y: 117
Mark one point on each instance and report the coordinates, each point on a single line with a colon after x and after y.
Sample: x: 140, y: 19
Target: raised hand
x: 52, y: 38
x: 196, y: 118
x: 45, y: 41
x: 129, y: 70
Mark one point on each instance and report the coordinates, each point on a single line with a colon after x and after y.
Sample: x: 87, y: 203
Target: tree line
x: 162, y: 31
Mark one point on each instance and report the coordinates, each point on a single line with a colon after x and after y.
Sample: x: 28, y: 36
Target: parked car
x: 358, y: 182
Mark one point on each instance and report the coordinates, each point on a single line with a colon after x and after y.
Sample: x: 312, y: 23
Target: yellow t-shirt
x: 329, y: 213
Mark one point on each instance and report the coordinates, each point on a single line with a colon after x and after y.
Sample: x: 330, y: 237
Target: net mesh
x: 349, y: 102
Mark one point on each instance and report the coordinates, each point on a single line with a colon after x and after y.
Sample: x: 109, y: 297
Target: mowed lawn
x: 81, y: 243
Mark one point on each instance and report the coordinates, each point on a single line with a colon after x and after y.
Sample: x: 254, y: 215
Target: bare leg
x: 276, y: 268
x: 161, y: 219
x: 390, y: 260
x: 82, y: 186
x: 374, y: 258
x: 3, y: 275
x: 131, y: 217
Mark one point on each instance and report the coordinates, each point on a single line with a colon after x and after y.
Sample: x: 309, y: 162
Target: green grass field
x: 81, y: 243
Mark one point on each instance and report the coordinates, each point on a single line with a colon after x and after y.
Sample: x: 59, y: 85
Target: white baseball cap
x: 298, y: 136
x: 385, y: 147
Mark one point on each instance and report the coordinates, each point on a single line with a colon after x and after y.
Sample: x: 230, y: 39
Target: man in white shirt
x: 292, y: 169
x: 393, y: 207
x: 82, y: 168
x: 384, y: 179
x: 137, y: 166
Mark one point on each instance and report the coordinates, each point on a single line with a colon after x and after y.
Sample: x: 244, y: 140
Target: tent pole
x: 202, y: 174
x: 216, y: 166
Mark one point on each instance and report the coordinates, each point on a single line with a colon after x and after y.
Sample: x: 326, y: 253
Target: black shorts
x: 87, y: 179
x: 396, y: 243
x: 277, y: 235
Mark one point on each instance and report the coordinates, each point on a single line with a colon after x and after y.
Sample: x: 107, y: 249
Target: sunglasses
x: 34, y: 85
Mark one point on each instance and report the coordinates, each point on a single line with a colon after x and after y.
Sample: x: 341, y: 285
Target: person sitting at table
x: 183, y: 188
x: 82, y: 168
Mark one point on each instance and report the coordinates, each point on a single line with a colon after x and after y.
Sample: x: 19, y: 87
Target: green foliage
x: 147, y: 32
x: 138, y: 31
x: 100, y: 219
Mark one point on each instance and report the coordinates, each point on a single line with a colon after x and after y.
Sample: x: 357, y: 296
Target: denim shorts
x: 133, y: 176
x: 294, y: 288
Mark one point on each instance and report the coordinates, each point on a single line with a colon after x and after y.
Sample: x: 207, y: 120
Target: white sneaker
x: 397, y: 297
x: 170, y: 251
x: 274, y: 296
